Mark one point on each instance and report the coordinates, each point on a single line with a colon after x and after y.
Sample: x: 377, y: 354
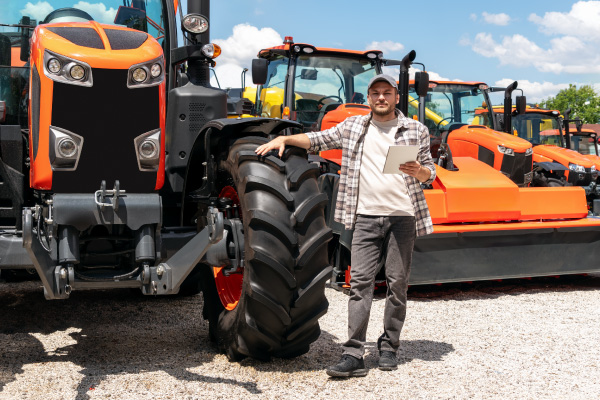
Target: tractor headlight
x: 147, y: 150
x: 529, y: 151
x: 211, y: 50
x: 506, y: 150
x: 54, y: 66
x: 139, y: 75
x: 155, y: 70
x: 194, y: 23
x: 65, y: 149
x: 63, y: 69
x: 77, y: 72
x: 149, y: 73
x: 593, y: 169
x: 576, y: 168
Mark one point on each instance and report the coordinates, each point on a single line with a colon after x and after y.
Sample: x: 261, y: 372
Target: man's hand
x: 414, y: 169
x: 277, y: 143
x: 298, y: 140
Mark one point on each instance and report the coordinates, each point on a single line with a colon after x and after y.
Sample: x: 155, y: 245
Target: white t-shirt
x: 379, y: 193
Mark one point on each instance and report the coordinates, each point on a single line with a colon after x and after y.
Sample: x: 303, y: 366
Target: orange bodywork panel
x: 41, y: 173
x: 466, y: 140
x: 334, y: 117
x: 479, y: 193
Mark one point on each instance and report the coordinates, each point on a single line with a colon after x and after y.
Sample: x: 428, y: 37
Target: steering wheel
x: 320, y: 101
x: 438, y: 126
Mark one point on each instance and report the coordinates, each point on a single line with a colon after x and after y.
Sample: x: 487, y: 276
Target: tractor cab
x: 462, y: 124
x: 557, y: 160
x: 306, y: 84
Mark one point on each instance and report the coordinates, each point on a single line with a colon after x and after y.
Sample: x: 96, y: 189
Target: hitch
x: 167, y: 277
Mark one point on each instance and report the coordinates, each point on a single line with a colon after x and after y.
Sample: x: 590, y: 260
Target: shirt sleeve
x: 326, y: 140
x: 424, y: 155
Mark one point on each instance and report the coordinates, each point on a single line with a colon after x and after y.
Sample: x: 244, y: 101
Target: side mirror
x: 24, y: 56
x: 521, y: 104
x: 309, y: 74
x: 421, y: 83
x: 259, y: 71
x: 5, y: 53
x: 131, y: 17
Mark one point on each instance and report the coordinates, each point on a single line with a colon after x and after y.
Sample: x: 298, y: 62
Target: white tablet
x: 399, y: 155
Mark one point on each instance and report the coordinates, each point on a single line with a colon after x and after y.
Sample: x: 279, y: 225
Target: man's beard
x: 382, y: 112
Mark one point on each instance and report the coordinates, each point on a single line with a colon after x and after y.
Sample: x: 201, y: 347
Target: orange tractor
x: 126, y: 173
x: 488, y: 224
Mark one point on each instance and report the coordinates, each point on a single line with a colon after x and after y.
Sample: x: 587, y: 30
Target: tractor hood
x: 99, y: 45
x: 490, y: 138
x: 562, y: 155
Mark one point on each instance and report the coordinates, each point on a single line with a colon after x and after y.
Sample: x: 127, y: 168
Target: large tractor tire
x: 282, y: 295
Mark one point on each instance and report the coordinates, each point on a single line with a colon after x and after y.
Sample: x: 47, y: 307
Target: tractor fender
x: 549, y: 166
x: 213, y: 141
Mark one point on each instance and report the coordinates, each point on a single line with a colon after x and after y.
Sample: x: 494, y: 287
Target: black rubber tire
x: 286, y: 264
x: 542, y: 180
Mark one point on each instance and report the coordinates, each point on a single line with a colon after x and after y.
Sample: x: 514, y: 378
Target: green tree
x: 583, y: 102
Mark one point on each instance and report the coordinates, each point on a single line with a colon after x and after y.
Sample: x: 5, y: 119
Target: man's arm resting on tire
x: 299, y: 140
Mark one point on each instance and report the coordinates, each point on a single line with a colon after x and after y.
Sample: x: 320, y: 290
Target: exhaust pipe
x: 508, y: 107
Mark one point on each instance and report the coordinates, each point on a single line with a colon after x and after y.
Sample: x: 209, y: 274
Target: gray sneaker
x: 347, y: 367
x: 387, y: 361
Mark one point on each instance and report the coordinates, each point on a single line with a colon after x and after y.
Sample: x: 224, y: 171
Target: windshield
x: 451, y: 104
x: 144, y: 15
x: 584, y: 144
x: 322, y: 83
x: 537, y: 128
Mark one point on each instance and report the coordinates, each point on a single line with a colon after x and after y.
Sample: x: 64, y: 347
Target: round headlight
x: 139, y: 75
x: 195, y: 23
x: 77, y: 72
x: 155, y: 70
x: 148, y: 149
x: 54, y: 66
x: 211, y: 50
x: 67, y: 147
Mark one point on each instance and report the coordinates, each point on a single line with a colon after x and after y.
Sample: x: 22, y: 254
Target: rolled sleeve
x: 326, y: 140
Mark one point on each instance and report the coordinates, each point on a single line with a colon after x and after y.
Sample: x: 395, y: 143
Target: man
x: 387, y: 212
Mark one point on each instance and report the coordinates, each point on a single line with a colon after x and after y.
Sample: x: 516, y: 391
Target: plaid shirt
x: 349, y: 136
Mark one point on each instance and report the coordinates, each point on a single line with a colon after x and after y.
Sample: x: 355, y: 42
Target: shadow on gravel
x: 425, y: 350
x: 498, y: 288
x: 111, y: 332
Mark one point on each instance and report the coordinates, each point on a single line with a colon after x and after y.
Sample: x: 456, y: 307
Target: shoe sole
x: 350, y: 374
x: 385, y: 368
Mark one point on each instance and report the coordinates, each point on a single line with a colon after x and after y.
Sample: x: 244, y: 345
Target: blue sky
x: 545, y: 45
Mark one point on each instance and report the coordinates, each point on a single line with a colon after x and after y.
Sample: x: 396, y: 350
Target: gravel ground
x: 516, y: 339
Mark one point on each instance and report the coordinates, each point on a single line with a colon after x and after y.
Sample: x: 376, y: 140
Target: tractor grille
x: 517, y: 167
x: 108, y: 116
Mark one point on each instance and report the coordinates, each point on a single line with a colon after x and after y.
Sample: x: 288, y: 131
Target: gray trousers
x: 376, y: 237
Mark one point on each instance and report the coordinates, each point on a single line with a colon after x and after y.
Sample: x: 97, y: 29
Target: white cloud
x: 572, y: 51
x: 98, y: 11
x: 37, y: 11
x: 239, y: 49
x: 385, y: 46
x: 580, y: 21
x: 567, y: 54
x: 501, y: 19
x: 473, y: 17
x: 535, y: 91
